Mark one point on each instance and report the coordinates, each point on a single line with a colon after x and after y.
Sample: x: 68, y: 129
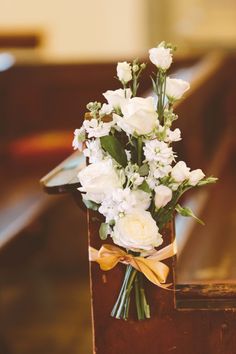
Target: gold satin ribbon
x: 109, y: 256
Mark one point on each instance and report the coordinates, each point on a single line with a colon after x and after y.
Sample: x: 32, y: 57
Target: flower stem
x: 122, y: 305
x: 126, y: 278
x: 143, y: 309
x: 137, y: 299
x: 145, y: 306
x: 140, y: 143
x: 161, y: 87
x: 121, y: 308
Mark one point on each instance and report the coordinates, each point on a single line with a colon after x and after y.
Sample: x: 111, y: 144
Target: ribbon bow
x: 109, y: 256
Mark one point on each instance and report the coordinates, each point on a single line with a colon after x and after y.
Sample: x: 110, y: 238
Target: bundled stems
x: 121, y: 308
x: 132, y: 278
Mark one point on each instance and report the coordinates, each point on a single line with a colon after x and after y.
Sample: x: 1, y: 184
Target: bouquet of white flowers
x: 132, y: 177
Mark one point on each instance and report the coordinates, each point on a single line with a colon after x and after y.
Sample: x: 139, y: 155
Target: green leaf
x: 207, y: 180
x: 90, y: 205
x: 145, y: 187
x: 154, y: 85
x: 143, y: 170
x: 184, y: 211
x: 103, y: 231
x: 112, y: 145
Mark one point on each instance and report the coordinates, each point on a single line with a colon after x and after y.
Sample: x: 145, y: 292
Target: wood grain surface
x: 170, y: 329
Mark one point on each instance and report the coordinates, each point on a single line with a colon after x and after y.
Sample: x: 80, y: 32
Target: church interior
x: 55, y: 57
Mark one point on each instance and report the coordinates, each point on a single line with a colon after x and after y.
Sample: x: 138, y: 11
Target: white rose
x: 117, y: 97
x: 135, y: 104
x: 124, y: 72
x: 163, y: 196
x: 161, y: 57
x: 195, y: 176
x: 137, y: 231
x: 139, y: 116
x: 180, y: 172
x: 98, y: 180
x: 175, y: 88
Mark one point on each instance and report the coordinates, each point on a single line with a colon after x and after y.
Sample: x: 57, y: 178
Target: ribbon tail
x: 164, y: 253
x: 93, y: 254
x: 155, y: 272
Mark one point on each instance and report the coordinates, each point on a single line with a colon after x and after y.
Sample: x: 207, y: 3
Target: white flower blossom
x: 79, y: 137
x: 180, y: 172
x: 175, y: 88
x: 118, y: 97
x: 161, y: 57
x: 151, y: 181
x: 131, y: 172
x: 195, y: 177
x: 137, y: 231
x: 96, y: 128
x: 158, y: 151
x: 93, y: 151
x: 106, y: 109
x: 135, y: 104
x: 159, y: 170
x: 123, y: 201
x: 136, y: 180
x: 99, y: 179
x: 163, y: 195
x: 159, y: 157
x: 124, y: 72
x: 156, y: 172
x: 173, y: 135
x: 140, y: 116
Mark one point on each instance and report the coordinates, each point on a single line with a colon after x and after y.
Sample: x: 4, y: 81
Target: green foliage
x: 103, y: 231
x: 113, y: 146
x: 207, y: 180
x: 154, y: 85
x: 90, y: 205
x: 145, y: 187
x: 143, y: 170
x: 184, y: 211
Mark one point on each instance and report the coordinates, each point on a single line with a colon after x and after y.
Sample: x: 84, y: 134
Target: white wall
x: 204, y: 23
x: 116, y: 29
x: 81, y: 29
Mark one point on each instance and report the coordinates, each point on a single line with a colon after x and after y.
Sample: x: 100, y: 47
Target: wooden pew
x: 19, y: 40
x: 198, y: 318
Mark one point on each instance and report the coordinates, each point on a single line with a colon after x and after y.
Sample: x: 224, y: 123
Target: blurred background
x: 55, y: 57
